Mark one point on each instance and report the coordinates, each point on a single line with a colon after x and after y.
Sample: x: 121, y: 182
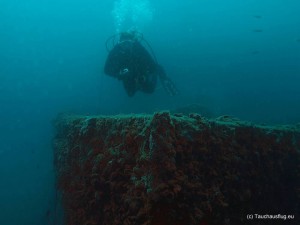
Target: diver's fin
x: 167, y: 83
x: 169, y: 86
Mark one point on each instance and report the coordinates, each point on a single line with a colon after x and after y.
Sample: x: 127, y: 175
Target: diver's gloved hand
x: 169, y: 86
x: 123, y: 74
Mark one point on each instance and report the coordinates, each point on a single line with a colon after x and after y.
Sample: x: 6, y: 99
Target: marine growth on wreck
x: 165, y: 169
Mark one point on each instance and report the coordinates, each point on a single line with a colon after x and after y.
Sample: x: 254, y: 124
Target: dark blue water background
x: 236, y: 57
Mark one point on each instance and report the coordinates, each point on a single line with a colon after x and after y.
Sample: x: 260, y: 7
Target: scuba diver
x: 130, y: 62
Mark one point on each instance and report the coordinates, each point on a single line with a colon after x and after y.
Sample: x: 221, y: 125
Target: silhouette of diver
x: 130, y: 62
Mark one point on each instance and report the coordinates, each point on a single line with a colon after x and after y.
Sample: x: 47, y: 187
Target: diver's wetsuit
x: 130, y: 62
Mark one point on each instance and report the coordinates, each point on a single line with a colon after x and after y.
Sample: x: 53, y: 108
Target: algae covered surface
x: 174, y: 169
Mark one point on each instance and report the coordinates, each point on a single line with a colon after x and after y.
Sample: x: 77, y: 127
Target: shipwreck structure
x: 165, y: 169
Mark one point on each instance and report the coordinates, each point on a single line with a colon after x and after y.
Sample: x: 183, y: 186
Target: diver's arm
x: 120, y: 61
x: 116, y: 64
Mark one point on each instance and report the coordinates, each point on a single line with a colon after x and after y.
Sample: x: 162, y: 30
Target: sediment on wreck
x: 167, y: 169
